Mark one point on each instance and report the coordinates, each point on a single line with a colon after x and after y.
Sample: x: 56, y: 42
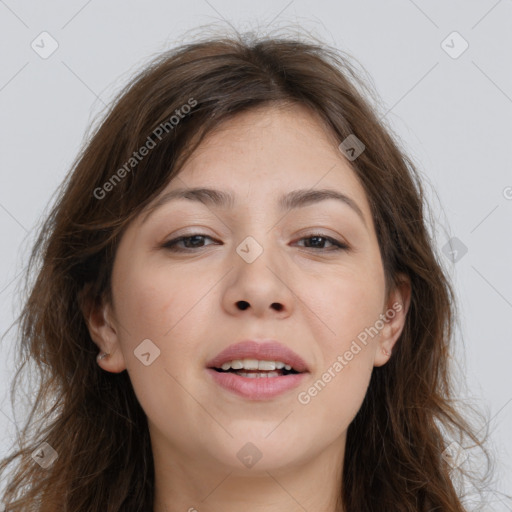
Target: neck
x: 186, y: 484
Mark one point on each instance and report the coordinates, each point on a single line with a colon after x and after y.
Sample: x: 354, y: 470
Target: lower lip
x: 256, y: 388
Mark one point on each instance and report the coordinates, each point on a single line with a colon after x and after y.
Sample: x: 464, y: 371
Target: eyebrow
x: 289, y: 201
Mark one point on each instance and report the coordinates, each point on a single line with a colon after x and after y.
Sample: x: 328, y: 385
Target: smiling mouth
x: 256, y: 379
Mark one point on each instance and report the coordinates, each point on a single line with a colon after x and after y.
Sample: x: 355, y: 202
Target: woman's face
x: 256, y: 268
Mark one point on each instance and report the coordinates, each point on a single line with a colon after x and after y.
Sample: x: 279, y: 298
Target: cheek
x: 170, y: 309
x: 344, y: 304
x: 166, y: 309
x: 153, y: 300
x: 349, y: 306
x: 334, y: 396
x: 143, y: 307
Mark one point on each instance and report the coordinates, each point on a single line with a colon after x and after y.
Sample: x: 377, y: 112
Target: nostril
x: 242, y: 304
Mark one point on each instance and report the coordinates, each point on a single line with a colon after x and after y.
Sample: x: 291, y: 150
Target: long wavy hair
x: 395, y: 457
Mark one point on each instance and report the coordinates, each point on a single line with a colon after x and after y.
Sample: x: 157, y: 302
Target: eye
x: 191, y: 242
x: 319, y: 240
x: 316, y: 241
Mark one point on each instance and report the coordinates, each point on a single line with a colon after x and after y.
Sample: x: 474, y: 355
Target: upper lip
x: 268, y: 350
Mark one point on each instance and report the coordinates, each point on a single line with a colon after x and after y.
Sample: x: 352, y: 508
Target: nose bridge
x: 259, y: 256
x: 259, y: 237
x: 260, y: 242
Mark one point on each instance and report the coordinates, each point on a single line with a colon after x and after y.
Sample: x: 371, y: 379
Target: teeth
x: 255, y: 364
x: 250, y: 364
x: 266, y: 365
x: 258, y: 375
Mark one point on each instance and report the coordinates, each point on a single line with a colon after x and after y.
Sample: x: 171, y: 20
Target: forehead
x: 266, y: 152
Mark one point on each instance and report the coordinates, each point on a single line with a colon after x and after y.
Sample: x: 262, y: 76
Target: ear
x: 394, y: 315
x: 103, y: 329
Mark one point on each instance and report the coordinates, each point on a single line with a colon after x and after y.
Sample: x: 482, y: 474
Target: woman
x: 244, y: 238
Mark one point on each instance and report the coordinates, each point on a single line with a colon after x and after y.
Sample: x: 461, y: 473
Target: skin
x: 186, y: 304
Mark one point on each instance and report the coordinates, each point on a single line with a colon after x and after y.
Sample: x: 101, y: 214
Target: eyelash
x: 172, y: 244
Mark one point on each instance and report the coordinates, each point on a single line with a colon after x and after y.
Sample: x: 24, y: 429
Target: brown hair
x: 92, y: 418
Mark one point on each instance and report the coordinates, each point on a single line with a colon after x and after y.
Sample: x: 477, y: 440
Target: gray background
x: 453, y: 116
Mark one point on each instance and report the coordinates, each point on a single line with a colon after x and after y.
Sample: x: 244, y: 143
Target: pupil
x: 191, y: 238
x: 317, y: 239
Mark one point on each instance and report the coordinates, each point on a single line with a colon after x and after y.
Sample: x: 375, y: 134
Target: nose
x: 243, y: 305
x: 261, y: 287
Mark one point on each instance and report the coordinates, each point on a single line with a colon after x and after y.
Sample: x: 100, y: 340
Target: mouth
x: 256, y: 370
